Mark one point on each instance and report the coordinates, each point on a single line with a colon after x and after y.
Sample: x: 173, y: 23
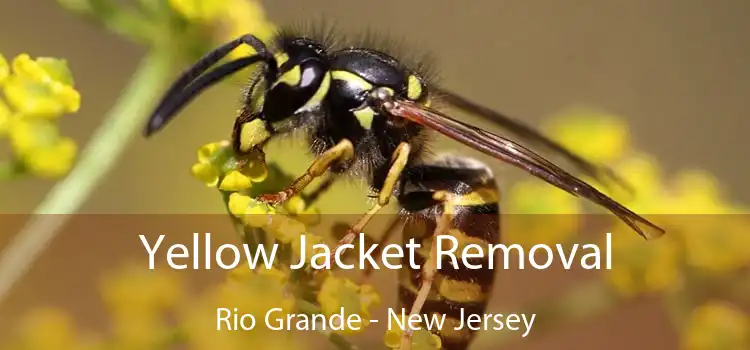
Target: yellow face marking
x: 414, y: 88
x: 320, y: 94
x: 351, y: 78
x: 291, y: 77
x: 281, y: 58
x: 252, y: 134
x: 365, y: 117
x: 478, y: 197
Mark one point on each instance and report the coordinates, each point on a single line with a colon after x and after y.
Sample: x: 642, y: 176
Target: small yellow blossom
x: 310, y: 241
x: 717, y: 326
x: 286, y: 229
x: 337, y: 293
x: 41, y: 88
x: 235, y: 181
x: 238, y: 204
x: 134, y: 287
x: 199, y: 10
x: 4, y: 69
x: 6, y: 117
x: 38, y: 144
x: 540, y: 213
x: 255, y: 293
x: 295, y: 205
x: 209, y: 150
x: 597, y: 136
x: 137, y: 299
x: 215, y: 161
x: 640, y: 266
x: 53, y: 161
x: 244, y: 17
x: 205, y: 173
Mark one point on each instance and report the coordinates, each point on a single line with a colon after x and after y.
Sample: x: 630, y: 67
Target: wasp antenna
x: 186, y: 87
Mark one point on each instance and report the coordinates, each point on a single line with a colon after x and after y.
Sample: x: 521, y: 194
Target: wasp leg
x: 429, y: 269
x: 342, y: 151
x: 398, y: 163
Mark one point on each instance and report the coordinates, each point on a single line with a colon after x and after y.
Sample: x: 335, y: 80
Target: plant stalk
x: 100, y: 156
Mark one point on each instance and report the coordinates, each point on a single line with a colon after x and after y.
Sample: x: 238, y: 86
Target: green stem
x: 96, y: 161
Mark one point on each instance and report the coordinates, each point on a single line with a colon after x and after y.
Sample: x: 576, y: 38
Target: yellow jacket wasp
x: 366, y: 114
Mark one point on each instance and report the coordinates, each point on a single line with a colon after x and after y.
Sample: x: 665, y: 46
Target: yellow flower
x: 53, y: 161
x: 310, y: 241
x: 133, y: 288
x: 215, y: 160
x: 137, y: 299
x: 244, y: 17
x: 642, y: 172
x: 337, y: 293
x: 209, y: 150
x: 717, y: 326
x: 199, y: 10
x: 597, y: 136
x: 251, y: 294
x: 287, y: 229
x: 38, y: 144
x: 206, y: 173
x: 58, y: 329
x: 4, y: 69
x: 640, y: 266
x: 41, y: 88
x: 6, y: 116
x: 540, y: 214
x: 235, y: 181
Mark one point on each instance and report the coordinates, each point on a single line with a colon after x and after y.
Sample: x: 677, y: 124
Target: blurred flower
x: 137, y: 299
x: 539, y: 214
x: 38, y: 92
x: 717, y: 326
x: 640, y: 266
x: 242, y: 17
x: 46, y: 328
x: 4, y: 69
x: 597, y: 136
x: 246, y: 293
x: 199, y: 10
x: 231, y: 18
x: 43, y: 150
x: 337, y: 293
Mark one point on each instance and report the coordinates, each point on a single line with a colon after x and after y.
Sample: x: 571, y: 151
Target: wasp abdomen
x: 457, y: 290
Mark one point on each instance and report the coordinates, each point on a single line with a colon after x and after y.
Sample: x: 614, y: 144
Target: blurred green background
x: 676, y: 71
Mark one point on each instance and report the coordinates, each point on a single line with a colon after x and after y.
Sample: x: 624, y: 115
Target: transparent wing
x: 519, y: 156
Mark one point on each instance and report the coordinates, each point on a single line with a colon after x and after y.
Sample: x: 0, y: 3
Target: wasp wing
x: 517, y: 155
x: 529, y: 134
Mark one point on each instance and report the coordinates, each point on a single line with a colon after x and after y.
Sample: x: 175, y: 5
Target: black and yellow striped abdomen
x: 457, y: 291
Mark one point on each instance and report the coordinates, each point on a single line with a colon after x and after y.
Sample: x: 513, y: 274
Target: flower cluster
x: 240, y: 181
x: 37, y: 92
x: 705, y: 244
